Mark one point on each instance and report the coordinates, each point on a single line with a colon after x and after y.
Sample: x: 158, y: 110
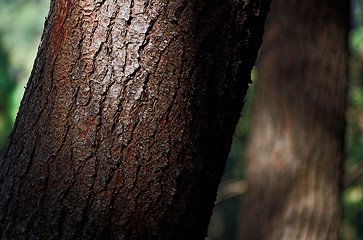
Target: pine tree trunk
x: 296, y: 145
x: 127, y: 119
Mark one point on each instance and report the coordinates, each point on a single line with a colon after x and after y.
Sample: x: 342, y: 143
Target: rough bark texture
x: 127, y: 119
x: 296, y: 144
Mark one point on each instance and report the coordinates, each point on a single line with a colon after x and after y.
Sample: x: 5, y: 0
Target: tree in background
x: 127, y: 119
x: 296, y: 145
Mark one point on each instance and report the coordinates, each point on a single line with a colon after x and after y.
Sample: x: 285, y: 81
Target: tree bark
x: 296, y: 144
x: 127, y: 119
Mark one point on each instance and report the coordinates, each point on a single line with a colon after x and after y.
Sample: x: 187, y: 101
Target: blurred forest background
x: 21, y: 25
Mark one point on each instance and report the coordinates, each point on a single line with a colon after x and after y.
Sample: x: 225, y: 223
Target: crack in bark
x: 118, y: 91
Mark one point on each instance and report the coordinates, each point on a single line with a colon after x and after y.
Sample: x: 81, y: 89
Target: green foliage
x: 6, y: 88
x: 21, y: 25
x: 352, y: 199
x: 351, y: 228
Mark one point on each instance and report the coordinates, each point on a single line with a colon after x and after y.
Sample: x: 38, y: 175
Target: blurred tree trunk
x: 127, y: 119
x: 296, y: 144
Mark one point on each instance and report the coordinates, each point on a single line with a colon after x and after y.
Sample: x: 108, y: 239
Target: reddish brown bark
x: 296, y: 145
x: 127, y: 119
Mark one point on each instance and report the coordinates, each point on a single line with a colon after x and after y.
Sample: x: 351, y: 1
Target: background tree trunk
x: 127, y: 119
x: 296, y: 145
